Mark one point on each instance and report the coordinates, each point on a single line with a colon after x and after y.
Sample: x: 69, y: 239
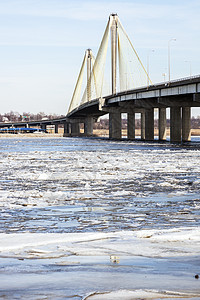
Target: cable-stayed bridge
x: 125, y: 63
x: 126, y: 87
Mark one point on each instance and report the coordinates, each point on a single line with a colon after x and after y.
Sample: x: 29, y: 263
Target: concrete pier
x: 131, y: 126
x: 115, y: 125
x: 175, y: 124
x: 88, y: 126
x: 162, y: 124
x: 149, y: 124
x: 75, y: 129
x: 66, y: 129
x: 186, y: 124
x: 56, y: 128
x: 43, y: 126
x: 142, y: 126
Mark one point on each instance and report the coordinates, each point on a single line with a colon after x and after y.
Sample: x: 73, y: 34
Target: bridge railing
x: 189, y: 78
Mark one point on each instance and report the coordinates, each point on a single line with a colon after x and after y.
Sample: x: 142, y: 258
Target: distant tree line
x: 15, y: 116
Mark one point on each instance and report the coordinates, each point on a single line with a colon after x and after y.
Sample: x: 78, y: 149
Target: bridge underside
x: 180, y: 117
x: 86, y: 110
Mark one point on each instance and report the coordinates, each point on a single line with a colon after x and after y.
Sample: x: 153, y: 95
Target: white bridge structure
x: 131, y: 92
x: 124, y: 59
x: 125, y: 88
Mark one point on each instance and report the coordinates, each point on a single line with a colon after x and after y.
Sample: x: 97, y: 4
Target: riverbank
x: 105, y: 132
x: 96, y: 132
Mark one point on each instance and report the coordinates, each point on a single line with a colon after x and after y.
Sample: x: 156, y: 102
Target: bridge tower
x: 89, y: 69
x: 122, y: 53
x: 114, y: 37
x: 88, y: 124
x: 114, y: 117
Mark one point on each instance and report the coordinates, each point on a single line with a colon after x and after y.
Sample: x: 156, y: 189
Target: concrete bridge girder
x: 179, y: 101
x: 158, y: 102
x: 196, y: 97
x: 146, y: 104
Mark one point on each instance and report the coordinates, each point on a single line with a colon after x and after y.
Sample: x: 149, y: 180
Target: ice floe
x: 148, y: 243
x: 137, y: 294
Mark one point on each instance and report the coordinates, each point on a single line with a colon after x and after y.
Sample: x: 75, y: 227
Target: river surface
x: 98, y: 219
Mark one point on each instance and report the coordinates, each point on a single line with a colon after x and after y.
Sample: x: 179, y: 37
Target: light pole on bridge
x: 152, y: 50
x: 169, y: 55
x: 164, y: 74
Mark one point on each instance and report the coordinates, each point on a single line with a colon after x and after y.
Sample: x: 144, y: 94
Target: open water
x: 99, y: 219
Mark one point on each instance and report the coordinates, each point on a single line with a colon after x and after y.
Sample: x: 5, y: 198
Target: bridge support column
x: 43, y: 126
x: 66, y: 129
x: 142, y: 126
x: 175, y: 124
x: 186, y: 124
x: 56, y: 128
x: 75, y: 129
x: 162, y: 124
x: 115, y: 125
x: 149, y: 124
x: 131, y: 126
x: 88, y: 126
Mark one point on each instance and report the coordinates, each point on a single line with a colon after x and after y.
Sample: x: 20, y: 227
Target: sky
x: 42, y: 44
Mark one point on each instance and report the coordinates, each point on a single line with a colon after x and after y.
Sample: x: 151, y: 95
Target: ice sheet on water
x: 137, y: 294
x: 95, y: 207
x: 140, y: 256
x: 120, y: 173
x: 148, y: 243
x: 114, y: 187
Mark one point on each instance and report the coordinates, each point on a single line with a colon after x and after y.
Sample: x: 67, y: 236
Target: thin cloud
x: 97, y: 10
x: 141, y: 18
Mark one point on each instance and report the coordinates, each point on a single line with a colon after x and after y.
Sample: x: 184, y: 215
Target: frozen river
x: 98, y: 219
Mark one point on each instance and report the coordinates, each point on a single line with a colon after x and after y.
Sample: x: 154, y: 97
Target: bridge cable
x: 133, y: 62
x: 97, y: 74
x: 75, y: 101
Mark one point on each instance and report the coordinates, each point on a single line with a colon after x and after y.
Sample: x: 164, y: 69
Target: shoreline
x: 96, y: 132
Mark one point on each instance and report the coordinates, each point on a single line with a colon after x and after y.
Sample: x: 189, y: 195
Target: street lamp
x: 164, y: 74
x: 169, y: 55
x: 188, y: 61
x: 148, y: 65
